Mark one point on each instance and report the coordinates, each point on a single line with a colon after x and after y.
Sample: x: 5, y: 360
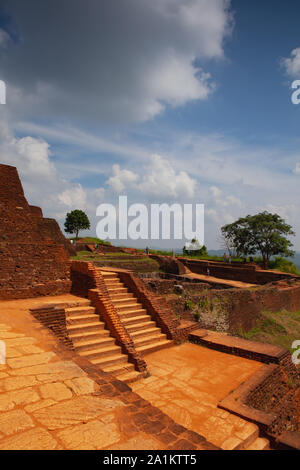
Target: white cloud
x: 292, y: 64
x: 118, y: 64
x: 297, y: 169
x: 42, y: 183
x: 161, y: 179
x: 75, y: 198
x: 121, y: 179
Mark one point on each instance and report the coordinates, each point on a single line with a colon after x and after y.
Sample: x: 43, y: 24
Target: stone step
x: 119, y: 368
x: 150, y: 339
x: 109, y: 360
x: 69, y: 304
x: 125, y: 301
x: 132, y: 313
x: 135, y: 319
x: 117, y: 290
x: 154, y: 346
x: 101, y: 351
x: 149, y: 331
x: 87, y: 336
x: 243, y: 438
x: 108, y: 274
x: 130, y: 377
x: 75, y: 311
x: 92, y: 344
x: 111, y: 278
x: 88, y: 326
x: 139, y: 327
x: 115, y: 297
x: 129, y: 307
x: 81, y: 319
x: 259, y: 444
x: 113, y: 284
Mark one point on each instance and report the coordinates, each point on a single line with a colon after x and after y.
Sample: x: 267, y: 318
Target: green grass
x: 280, y: 329
x: 284, y: 265
x: 91, y: 240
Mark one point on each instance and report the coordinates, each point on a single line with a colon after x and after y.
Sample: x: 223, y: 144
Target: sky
x: 168, y: 101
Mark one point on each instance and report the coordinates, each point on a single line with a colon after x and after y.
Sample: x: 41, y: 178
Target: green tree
x: 75, y: 221
x: 194, y: 248
x: 264, y: 232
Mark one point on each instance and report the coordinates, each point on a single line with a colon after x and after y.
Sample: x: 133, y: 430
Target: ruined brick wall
x: 249, y: 273
x: 54, y: 318
x: 31, y: 264
x: 234, y: 310
x: 49, y: 228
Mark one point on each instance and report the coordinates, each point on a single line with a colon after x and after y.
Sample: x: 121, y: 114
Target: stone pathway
x: 51, y: 398
x: 217, y: 280
x: 188, y: 381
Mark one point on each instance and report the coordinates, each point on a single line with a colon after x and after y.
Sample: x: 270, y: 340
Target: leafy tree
x: 75, y: 221
x: 264, y: 232
x: 194, y: 248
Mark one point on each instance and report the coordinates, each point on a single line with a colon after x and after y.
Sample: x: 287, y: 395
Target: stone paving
x: 188, y: 381
x: 51, y: 398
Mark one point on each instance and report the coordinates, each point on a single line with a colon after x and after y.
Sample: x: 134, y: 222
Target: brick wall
x: 31, y: 263
x: 237, y: 272
x: 54, y: 318
x: 236, y: 309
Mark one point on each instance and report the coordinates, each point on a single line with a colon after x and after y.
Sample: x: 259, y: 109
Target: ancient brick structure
x: 88, y: 281
x: 33, y: 259
x: 249, y: 273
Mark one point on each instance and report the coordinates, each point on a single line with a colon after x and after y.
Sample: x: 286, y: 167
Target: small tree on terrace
x: 265, y: 233
x: 75, y: 221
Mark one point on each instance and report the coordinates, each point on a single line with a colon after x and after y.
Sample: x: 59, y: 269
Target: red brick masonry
x: 31, y: 262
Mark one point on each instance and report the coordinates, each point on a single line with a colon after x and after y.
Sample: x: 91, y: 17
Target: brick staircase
x: 147, y: 337
x: 92, y: 341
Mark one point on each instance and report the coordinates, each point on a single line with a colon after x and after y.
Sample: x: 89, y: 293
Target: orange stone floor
x: 188, y: 381
x: 48, y: 402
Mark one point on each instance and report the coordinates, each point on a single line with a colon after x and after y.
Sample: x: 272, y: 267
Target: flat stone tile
x: 138, y: 442
x: 31, y: 360
x: 34, y: 439
x: 15, y: 421
x: 14, y: 383
x: 90, y: 435
x: 39, y: 405
x: 82, y: 385
x: 56, y: 391
x: 75, y: 411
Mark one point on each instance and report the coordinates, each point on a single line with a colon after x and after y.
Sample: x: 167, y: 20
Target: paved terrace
x: 188, y: 381
x: 50, y: 400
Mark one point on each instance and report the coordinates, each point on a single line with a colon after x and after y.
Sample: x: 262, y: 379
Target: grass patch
x: 280, y: 329
x: 91, y: 240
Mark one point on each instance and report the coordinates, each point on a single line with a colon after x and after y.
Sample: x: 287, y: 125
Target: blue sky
x: 164, y: 101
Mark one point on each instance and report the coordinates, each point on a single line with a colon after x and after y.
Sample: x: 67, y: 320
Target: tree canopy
x: 75, y: 221
x: 265, y: 233
x: 195, y: 248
